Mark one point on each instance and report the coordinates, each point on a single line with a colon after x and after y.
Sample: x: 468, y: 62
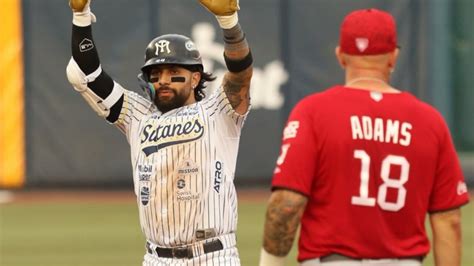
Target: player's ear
x: 340, y: 57
x: 393, y: 58
x: 195, y: 78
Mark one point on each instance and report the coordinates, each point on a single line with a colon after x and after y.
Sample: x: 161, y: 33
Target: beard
x: 172, y: 100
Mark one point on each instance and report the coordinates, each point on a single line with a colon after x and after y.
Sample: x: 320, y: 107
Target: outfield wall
x: 293, y: 44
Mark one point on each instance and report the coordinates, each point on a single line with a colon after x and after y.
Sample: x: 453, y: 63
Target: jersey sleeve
x: 218, y: 106
x: 449, y: 189
x: 295, y: 167
x: 133, y: 109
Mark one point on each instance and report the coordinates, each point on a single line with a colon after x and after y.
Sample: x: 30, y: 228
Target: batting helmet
x: 168, y: 49
x: 171, y: 49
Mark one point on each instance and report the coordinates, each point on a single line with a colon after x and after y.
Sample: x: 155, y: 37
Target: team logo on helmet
x: 190, y: 46
x: 161, y: 46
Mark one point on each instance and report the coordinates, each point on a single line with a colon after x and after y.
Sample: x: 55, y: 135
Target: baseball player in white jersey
x: 183, y: 143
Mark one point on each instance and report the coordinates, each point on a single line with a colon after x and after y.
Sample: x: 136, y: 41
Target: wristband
x: 238, y: 65
x: 227, y: 22
x: 83, y: 19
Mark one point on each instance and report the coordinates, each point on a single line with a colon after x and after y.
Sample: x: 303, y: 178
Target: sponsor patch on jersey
x: 144, y: 195
x: 181, y: 183
x: 185, y: 188
x: 188, y: 167
x: 158, y: 134
x: 188, y: 111
x: 186, y: 195
x: 145, y: 172
x: 218, y: 175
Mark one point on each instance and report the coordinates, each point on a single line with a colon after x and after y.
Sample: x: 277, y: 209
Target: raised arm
x: 237, y: 54
x: 84, y: 70
x: 283, y: 217
x: 446, y: 227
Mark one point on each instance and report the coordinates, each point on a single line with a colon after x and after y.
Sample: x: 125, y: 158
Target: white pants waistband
x: 340, y: 260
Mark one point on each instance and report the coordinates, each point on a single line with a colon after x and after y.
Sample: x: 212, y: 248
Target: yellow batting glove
x: 78, y: 5
x: 221, y: 7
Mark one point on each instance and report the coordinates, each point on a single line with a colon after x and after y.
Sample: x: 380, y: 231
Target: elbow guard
x: 80, y: 82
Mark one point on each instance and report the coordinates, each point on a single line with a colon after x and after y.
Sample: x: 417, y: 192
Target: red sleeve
x: 449, y: 189
x: 295, y: 166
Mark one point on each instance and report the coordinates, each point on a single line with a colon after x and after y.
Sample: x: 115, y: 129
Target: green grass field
x: 98, y: 234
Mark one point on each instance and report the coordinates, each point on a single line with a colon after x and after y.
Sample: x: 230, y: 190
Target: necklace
x: 350, y: 82
x: 390, y: 89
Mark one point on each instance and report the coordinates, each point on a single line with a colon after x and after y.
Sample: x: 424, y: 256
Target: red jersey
x: 372, y: 165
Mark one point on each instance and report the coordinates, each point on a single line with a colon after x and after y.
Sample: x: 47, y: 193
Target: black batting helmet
x: 171, y: 49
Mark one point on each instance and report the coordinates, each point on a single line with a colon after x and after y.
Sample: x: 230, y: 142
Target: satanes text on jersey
x: 378, y: 129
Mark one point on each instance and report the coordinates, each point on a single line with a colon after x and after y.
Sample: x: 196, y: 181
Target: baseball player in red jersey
x: 361, y: 164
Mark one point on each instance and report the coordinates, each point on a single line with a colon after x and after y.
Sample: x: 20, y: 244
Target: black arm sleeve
x: 115, y: 111
x: 83, y: 49
x: 85, y: 54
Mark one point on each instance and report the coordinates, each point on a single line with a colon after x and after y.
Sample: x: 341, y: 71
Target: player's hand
x: 79, y: 5
x: 82, y: 15
x: 221, y: 7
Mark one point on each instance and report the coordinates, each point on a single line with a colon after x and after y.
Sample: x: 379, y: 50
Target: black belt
x: 185, y: 252
x: 338, y: 257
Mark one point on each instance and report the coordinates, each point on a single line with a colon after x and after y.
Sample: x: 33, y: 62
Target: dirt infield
x: 110, y: 196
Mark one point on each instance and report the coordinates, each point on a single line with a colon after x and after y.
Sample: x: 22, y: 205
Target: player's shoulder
x: 316, y: 99
x: 423, y: 114
x: 421, y: 108
x: 314, y: 104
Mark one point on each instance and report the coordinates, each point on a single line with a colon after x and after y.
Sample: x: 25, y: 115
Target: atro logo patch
x: 218, y: 176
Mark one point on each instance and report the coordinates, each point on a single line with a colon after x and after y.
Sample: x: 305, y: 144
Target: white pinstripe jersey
x: 183, y: 166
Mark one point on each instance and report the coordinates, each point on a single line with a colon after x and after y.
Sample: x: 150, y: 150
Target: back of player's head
x: 368, y: 32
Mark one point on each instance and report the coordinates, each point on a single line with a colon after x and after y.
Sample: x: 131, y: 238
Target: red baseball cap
x: 368, y: 32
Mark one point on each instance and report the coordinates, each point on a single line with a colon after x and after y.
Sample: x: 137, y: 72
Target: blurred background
x: 66, y: 144
x: 51, y: 139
